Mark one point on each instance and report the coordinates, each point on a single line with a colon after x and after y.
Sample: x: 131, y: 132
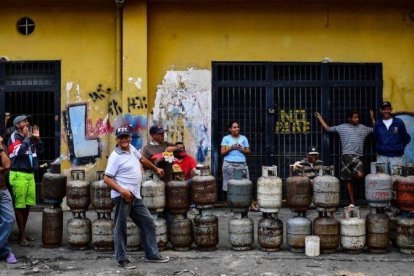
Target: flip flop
x: 25, y: 243
x: 11, y: 259
x: 30, y: 238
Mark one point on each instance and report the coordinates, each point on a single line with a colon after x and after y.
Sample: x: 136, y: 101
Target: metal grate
x: 275, y: 104
x: 34, y: 88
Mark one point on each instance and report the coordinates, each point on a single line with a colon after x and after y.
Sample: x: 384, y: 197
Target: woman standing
x: 234, y: 148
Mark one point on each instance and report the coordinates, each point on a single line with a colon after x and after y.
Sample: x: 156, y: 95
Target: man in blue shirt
x: 391, y: 137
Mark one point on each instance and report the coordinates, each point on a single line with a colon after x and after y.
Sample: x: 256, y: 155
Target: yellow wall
x: 183, y: 35
x: 81, y: 36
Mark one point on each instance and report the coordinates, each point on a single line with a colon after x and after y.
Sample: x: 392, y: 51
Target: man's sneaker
x: 158, y: 259
x: 126, y: 264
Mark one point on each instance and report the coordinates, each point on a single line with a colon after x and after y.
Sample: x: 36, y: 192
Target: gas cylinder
x: 178, y: 194
x: 203, y: 188
x: 393, y: 228
x: 404, y: 187
x: 160, y: 232
x: 102, y: 233
x: 52, y: 227
x: 53, y: 185
x: 180, y: 233
x: 206, y: 235
x: 153, y: 193
x: 378, y: 230
x: 405, y: 235
x: 101, y: 195
x: 298, y: 192
x: 241, y: 233
x: 270, y: 232
x: 297, y: 229
x: 239, y: 193
x: 269, y: 190
x: 78, y: 192
x: 378, y: 187
x: 133, y: 236
x: 326, y: 190
x: 326, y: 227
x: 79, y: 231
x: 353, y: 231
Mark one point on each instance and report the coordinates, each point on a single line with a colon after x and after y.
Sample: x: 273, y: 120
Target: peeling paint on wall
x: 408, y: 119
x: 137, y: 82
x: 186, y: 96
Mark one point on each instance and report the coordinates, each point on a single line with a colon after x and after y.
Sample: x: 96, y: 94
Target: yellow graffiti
x: 292, y: 121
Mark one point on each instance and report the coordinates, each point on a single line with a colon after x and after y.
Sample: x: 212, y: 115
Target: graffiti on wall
x: 99, y: 93
x: 183, y: 107
x: 137, y: 125
x: 292, y: 121
x: 408, y: 119
x: 83, y: 149
x: 137, y: 103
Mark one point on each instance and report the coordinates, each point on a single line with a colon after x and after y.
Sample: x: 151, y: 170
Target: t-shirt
x: 352, y: 137
x: 235, y: 155
x: 387, y: 123
x: 310, y: 170
x: 125, y: 168
x: 187, y: 164
x: 153, y: 152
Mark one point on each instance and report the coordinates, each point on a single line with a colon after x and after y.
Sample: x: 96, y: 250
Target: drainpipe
x: 119, y: 38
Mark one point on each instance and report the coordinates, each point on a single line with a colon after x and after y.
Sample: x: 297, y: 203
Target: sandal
x: 30, y: 238
x: 11, y: 259
x: 25, y: 243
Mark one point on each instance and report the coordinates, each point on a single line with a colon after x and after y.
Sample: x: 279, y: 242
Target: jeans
x: 140, y: 215
x: 6, y: 221
x: 390, y: 162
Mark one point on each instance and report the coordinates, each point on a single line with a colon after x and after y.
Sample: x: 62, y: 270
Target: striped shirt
x: 352, y: 137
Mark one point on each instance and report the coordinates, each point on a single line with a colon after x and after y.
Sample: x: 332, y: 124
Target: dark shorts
x: 350, y: 164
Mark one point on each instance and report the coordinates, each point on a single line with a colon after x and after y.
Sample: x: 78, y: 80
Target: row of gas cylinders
x: 176, y: 195
x: 82, y: 233
x: 299, y: 192
x: 352, y: 232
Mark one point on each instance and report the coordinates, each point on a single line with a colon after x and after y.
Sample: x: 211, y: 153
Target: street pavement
x: 223, y: 261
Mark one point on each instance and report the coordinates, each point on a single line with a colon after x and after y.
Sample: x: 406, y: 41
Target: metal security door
x: 33, y: 88
x: 275, y: 104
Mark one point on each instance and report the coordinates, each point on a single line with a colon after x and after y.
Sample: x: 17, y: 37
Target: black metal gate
x: 275, y: 104
x: 33, y: 87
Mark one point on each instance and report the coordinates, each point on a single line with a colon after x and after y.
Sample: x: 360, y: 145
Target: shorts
x: 24, y: 189
x: 350, y: 164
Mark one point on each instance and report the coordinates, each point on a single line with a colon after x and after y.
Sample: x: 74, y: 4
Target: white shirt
x: 125, y: 168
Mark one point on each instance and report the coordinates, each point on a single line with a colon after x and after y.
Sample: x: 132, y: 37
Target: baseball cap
x: 20, y: 118
x: 122, y: 131
x: 313, y: 150
x: 385, y: 104
x: 156, y: 130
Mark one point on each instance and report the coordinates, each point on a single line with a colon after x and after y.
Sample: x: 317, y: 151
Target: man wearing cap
x: 310, y: 165
x: 391, y: 138
x: 123, y: 175
x: 157, y: 149
x: 23, y: 146
x: 352, y: 135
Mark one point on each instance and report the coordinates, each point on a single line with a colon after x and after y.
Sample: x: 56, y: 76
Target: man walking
x: 6, y: 208
x: 123, y: 175
x: 23, y: 146
x: 352, y: 135
x: 391, y: 137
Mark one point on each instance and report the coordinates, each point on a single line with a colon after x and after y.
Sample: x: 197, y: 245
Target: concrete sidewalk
x: 223, y: 261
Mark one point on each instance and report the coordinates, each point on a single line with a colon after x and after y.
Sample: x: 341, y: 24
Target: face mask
x: 179, y: 154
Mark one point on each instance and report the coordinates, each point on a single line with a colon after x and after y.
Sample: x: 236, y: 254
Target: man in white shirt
x: 123, y: 175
